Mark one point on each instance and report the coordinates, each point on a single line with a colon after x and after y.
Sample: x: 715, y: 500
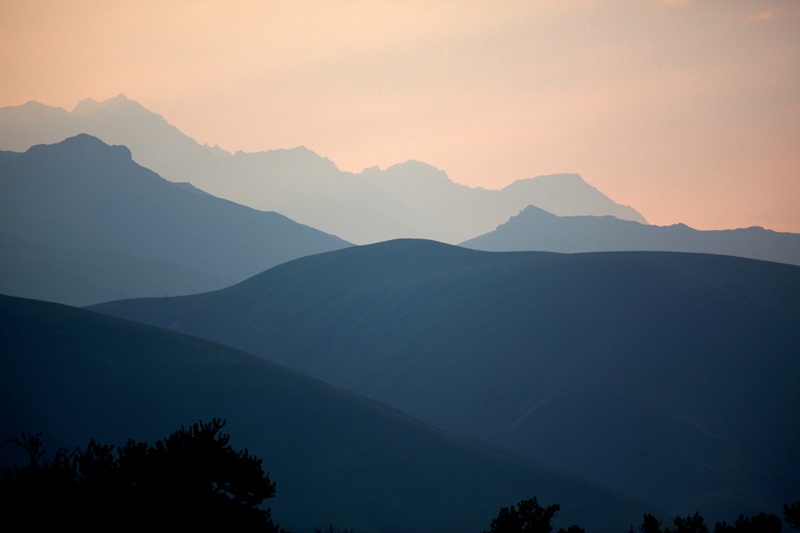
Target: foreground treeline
x: 530, y: 517
x: 761, y: 523
x: 194, y: 478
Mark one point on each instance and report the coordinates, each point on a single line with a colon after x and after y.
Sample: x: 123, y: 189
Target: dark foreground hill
x: 335, y: 457
x: 537, y: 230
x: 673, y: 377
x: 82, y: 194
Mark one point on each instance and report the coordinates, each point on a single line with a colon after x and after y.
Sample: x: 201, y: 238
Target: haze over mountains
x: 407, y: 200
x: 89, y: 207
x: 536, y: 229
x: 78, y: 276
x: 336, y: 458
x: 671, y: 377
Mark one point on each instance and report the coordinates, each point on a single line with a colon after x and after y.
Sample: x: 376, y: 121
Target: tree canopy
x: 761, y: 523
x: 191, y: 478
x: 529, y: 517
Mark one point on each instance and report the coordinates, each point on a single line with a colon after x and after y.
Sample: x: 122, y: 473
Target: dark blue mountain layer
x: 673, y: 377
x: 537, y: 230
x: 335, y: 457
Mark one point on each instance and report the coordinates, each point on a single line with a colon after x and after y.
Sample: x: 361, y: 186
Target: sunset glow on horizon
x: 687, y: 111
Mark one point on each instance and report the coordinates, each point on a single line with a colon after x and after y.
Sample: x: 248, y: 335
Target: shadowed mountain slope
x: 669, y: 376
x: 537, y: 230
x: 84, y: 277
x: 83, y: 194
x: 406, y: 200
x: 335, y: 457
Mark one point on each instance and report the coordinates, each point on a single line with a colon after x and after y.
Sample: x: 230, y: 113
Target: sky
x: 688, y: 111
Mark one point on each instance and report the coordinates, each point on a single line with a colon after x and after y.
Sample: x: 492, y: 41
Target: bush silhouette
x: 530, y: 517
x: 761, y: 523
x: 192, y: 478
x: 791, y: 513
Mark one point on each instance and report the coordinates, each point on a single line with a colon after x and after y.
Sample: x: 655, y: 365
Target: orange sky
x: 687, y: 111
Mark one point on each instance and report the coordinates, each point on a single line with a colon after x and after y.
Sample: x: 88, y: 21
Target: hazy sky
x: 688, y: 111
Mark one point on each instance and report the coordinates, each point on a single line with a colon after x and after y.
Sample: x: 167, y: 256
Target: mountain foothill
x: 336, y: 458
x: 389, y: 379
x: 536, y: 229
x: 669, y: 376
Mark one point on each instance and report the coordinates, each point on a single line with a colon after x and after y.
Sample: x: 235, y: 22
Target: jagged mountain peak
x: 412, y: 176
x: 298, y: 155
x: 82, y: 145
x: 410, y: 199
x: 82, y: 193
x: 32, y: 105
x: 569, y: 178
x: 532, y: 211
x: 90, y: 105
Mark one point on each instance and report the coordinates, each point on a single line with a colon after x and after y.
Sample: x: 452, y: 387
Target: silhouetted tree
x: 530, y: 517
x: 650, y: 524
x: 762, y: 523
x: 192, y: 478
x: 791, y: 513
x: 332, y: 529
x: 690, y: 524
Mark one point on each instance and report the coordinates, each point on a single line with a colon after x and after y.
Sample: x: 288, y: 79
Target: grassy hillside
x: 336, y: 457
x: 670, y: 376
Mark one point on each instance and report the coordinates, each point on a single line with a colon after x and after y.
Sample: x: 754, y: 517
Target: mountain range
x: 406, y: 200
x: 85, y: 213
x: 536, y: 229
x: 336, y: 458
x: 671, y: 377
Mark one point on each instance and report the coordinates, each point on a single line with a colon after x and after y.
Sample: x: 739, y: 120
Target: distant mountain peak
x: 302, y: 149
x: 298, y: 155
x: 216, y: 150
x: 417, y: 171
x: 410, y: 199
x: 83, y: 143
x: 419, y: 166
x: 569, y: 189
x: 561, y: 178
x: 33, y: 104
x: 31, y: 110
x: 90, y: 105
x: 533, y: 211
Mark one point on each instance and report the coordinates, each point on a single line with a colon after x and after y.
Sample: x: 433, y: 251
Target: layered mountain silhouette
x: 457, y: 210
x: 83, y: 211
x: 537, y: 230
x: 335, y: 457
x: 83, y: 277
x: 669, y: 376
x: 407, y: 200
